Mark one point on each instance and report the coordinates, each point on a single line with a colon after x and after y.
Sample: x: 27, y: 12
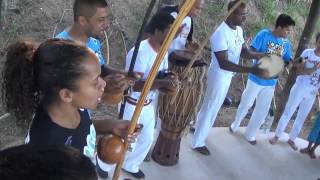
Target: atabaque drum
x: 176, y: 114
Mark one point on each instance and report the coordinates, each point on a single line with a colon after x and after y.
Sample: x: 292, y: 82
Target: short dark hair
x: 86, y: 8
x: 317, y: 36
x: 233, y: 3
x: 45, y: 162
x: 160, y: 21
x: 284, y: 20
x: 34, y: 75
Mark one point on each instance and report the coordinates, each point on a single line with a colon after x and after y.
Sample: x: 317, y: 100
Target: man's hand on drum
x: 192, y: 46
x: 170, y: 84
x: 261, y: 55
x: 258, y: 71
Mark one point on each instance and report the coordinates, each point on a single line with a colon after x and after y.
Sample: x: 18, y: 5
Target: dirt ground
x: 39, y: 20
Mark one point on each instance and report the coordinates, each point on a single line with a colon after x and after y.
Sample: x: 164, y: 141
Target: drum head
x: 273, y: 64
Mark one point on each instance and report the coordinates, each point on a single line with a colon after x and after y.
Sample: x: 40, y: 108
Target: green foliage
x: 270, y: 9
x: 267, y: 18
x: 13, y: 29
x: 297, y: 7
x: 215, y: 8
x: 299, y: 11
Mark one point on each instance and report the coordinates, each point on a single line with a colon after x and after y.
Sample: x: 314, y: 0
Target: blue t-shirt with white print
x: 268, y: 43
x: 92, y: 43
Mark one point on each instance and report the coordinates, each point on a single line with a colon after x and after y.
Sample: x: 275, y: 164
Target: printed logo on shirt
x: 315, y: 77
x: 68, y: 141
x: 98, y: 53
x: 310, y: 62
x: 89, y: 149
x: 238, y: 39
x: 274, y: 48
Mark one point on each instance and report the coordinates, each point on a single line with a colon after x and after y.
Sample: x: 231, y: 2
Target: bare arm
x: 157, y: 84
x: 104, y: 126
x: 250, y: 53
x: 116, y: 127
x: 301, y: 69
x: 224, y: 63
x: 117, y: 80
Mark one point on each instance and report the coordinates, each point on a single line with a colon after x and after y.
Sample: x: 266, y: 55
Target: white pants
x: 217, y: 89
x: 300, y: 96
x: 144, y: 141
x: 263, y: 96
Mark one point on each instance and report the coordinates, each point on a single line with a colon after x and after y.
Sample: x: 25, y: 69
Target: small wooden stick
x: 61, y: 18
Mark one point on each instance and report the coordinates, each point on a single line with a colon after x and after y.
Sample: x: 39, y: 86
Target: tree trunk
x: 303, y: 44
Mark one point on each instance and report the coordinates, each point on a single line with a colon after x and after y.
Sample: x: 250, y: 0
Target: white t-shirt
x: 144, y: 62
x: 225, y: 38
x: 310, y: 81
x: 180, y: 41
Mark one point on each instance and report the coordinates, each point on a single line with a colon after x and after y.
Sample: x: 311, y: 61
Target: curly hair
x: 34, y: 75
x: 18, y: 81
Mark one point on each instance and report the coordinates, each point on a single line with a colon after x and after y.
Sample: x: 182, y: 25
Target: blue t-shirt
x: 92, y: 43
x: 266, y: 42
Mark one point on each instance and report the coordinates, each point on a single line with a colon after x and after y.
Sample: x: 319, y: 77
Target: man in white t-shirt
x: 184, y: 38
x: 227, y: 44
x: 148, y: 51
x: 302, y: 94
x: 182, y: 41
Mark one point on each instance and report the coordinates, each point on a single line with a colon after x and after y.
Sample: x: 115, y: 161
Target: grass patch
x: 13, y: 29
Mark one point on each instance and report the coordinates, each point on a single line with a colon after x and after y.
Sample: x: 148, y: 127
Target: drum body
x: 176, y: 115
